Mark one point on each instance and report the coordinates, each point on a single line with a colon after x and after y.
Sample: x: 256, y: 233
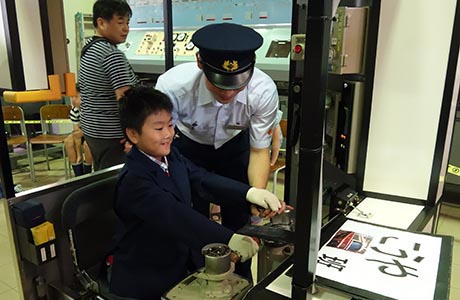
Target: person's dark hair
x: 107, y: 9
x: 138, y: 103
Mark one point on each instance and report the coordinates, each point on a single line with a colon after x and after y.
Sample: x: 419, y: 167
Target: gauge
x: 181, y: 36
x: 189, y: 46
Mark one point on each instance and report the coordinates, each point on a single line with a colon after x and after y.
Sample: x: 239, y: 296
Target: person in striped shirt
x: 104, y: 75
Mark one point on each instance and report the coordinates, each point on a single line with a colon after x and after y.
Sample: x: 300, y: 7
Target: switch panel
x: 346, y: 52
x: 298, y: 46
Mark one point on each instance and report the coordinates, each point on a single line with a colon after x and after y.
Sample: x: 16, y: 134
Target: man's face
x: 222, y: 96
x: 156, y: 136
x: 116, y: 30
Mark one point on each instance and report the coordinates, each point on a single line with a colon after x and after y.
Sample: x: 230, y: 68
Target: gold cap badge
x: 230, y: 65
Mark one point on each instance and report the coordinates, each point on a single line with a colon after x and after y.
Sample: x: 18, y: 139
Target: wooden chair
x: 280, y: 164
x: 15, y: 115
x: 49, y: 114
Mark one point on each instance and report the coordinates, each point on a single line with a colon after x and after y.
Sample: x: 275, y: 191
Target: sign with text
x: 393, y: 263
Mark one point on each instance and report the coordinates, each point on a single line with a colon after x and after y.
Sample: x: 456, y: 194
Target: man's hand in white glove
x: 244, y: 246
x: 263, y: 198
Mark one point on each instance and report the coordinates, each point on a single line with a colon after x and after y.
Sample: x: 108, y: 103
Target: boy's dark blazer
x: 163, y: 234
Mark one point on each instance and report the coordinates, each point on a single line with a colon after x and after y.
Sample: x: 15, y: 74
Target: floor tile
x: 450, y: 210
x: 449, y: 226
x: 8, y: 275
x: 5, y: 251
x: 455, y: 277
x: 456, y: 255
x: 454, y: 294
x: 4, y: 287
x: 10, y: 295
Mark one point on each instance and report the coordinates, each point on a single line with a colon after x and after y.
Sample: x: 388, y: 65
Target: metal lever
x: 360, y: 212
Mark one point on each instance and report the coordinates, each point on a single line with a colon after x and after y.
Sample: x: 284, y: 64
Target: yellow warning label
x: 453, y: 170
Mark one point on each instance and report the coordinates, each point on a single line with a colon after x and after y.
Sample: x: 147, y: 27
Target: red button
x: 298, y: 49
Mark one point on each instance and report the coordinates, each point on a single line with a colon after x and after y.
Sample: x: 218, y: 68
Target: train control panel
x: 144, y: 46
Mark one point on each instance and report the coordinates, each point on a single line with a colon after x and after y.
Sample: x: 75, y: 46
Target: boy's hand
x: 244, y: 246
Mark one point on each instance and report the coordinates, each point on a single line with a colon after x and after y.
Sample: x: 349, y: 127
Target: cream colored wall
x: 71, y: 7
x: 32, y: 48
x: 411, y: 63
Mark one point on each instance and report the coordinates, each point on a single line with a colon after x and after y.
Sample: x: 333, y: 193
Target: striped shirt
x: 103, y: 69
x: 75, y: 115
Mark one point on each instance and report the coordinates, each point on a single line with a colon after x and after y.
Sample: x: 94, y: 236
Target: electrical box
x: 346, y: 52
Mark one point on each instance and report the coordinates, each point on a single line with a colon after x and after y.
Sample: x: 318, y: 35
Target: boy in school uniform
x: 163, y: 234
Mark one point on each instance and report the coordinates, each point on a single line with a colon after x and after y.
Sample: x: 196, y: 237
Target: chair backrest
x: 54, y: 112
x: 87, y: 213
x: 15, y: 114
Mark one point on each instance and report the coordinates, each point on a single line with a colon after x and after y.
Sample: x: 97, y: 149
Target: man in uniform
x: 224, y: 111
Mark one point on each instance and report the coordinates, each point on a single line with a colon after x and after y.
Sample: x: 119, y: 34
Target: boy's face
x: 76, y: 100
x: 156, y: 136
x: 116, y: 30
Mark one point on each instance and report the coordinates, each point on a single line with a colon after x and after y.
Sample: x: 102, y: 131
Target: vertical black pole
x: 8, y: 11
x: 168, y: 31
x: 5, y: 165
x: 309, y: 198
x: 44, y: 19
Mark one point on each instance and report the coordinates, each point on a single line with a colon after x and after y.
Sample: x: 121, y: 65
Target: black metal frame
x: 13, y: 45
x: 447, y: 97
x: 168, y: 33
x: 44, y: 20
x: 308, y: 119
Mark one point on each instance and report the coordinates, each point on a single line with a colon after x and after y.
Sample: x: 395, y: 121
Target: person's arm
x: 121, y: 77
x: 120, y: 92
x: 258, y: 173
x: 259, y: 167
x: 276, y: 144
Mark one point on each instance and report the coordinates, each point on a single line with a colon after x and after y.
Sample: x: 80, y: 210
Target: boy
x: 163, y: 234
x: 73, y: 142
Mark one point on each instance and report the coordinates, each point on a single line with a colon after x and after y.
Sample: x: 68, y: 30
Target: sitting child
x: 74, y: 141
x: 162, y: 233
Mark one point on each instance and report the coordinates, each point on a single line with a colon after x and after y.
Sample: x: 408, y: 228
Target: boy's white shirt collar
x: 163, y: 165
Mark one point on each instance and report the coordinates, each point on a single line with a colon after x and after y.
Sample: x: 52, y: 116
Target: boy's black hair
x: 138, y: 103
x: 107, y: 9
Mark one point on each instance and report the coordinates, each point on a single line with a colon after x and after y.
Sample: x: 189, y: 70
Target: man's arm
x: 120, y: 92
x: 259, y: 167
x: 276, y: 144
x: 258, y: 173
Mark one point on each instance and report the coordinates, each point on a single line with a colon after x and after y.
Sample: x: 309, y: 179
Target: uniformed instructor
x: 224, y: 109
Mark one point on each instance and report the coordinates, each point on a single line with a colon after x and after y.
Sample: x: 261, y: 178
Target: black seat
x: 89, y: 219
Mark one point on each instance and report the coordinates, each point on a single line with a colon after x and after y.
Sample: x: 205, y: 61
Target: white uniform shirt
x: 203, y: 119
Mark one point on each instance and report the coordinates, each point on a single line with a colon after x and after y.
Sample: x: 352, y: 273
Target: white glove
x: 263, y: 198
x: 244, y: 246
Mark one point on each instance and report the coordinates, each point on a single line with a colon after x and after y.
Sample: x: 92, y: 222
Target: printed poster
x: 393, y: 263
